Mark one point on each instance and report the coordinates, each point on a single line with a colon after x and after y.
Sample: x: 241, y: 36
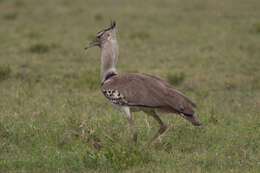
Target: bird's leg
x: 132, y: 129
x: 127, y: 113
x: 162, y: 129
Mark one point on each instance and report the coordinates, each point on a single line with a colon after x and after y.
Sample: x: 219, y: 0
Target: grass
x: 39, y: 48
x: 5, y: 72
x: 54, y: 118
x: 175, y: 79
x: 10, y: 16
x: 139, y: 35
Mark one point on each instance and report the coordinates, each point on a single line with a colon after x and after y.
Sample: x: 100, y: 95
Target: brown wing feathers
x: 146, y: 90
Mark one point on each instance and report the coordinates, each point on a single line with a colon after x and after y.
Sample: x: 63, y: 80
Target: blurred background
x: 53, y: 117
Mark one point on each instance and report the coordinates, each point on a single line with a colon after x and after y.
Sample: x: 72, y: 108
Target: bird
x: 133, y: 92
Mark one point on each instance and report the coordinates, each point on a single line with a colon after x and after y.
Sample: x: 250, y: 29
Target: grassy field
x: 53, y: 117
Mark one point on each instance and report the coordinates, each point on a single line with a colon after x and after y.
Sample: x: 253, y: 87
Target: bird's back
x: 145, y: 90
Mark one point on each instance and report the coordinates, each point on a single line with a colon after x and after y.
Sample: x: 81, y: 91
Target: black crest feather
x: 112, y: 26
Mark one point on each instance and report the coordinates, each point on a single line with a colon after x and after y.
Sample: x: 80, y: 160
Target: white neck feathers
x: 109, y: 56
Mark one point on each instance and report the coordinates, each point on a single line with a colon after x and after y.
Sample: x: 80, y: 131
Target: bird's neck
x: 109, y: 56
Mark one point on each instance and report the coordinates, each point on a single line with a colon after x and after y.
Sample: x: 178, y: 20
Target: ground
x: 54, y: 118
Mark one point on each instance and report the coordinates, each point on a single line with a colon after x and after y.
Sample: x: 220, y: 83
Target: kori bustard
x: 138, y: 91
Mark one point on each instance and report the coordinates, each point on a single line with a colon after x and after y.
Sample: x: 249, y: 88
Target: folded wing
x: 138, y: 89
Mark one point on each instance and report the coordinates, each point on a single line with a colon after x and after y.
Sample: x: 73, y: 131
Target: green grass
x: 5, y: 72
x: 39, y: 48
x: 54, y: 118
x: 176, y: 78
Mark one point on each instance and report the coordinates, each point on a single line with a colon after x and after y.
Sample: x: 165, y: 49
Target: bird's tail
x: 192, y: 119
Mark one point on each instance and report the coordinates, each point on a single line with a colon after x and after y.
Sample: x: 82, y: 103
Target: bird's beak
x: 95, y: 42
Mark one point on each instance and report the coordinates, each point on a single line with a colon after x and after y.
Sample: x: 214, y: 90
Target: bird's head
x: 105, y: 36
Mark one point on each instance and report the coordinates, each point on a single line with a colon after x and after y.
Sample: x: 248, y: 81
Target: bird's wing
x: 138, y: 89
